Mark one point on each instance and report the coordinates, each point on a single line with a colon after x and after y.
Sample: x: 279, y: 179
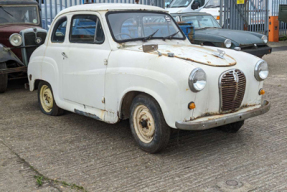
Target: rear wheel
x: 3, y: 78
x: 148, y: 125
x: 231, y: 128
x: 46, y: 100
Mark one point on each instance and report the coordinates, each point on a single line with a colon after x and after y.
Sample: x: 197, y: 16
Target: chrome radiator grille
x: 232, y: 85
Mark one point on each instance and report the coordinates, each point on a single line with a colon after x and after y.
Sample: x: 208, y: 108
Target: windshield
x: 19, y: 15
x: 129, y: 26
x: 180, y: 3
x: 201, y: 21
x: 213, y: 3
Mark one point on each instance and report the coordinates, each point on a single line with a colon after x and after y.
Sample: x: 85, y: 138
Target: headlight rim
x: 225, y: 42
x: 191, y: 78
x: 264, y: 38
x: 10, y: 39
x: 256, y: 70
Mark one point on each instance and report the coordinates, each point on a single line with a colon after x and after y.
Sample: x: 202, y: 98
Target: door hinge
x: 106, y: 62
x: 103, y: 100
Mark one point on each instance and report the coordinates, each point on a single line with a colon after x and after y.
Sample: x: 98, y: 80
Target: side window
x: 86, y: 29
x: 59, y: 31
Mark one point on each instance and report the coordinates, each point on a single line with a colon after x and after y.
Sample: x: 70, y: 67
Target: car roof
x: 190, y: 14
x: 111, y: 7
x: 17, y: 2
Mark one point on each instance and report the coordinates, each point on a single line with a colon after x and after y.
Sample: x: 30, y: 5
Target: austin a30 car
x: 119, y: 61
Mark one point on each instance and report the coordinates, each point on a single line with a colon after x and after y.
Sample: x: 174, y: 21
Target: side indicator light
x: 218, y: 18
x: 261, y: 92
x: 191, y: 105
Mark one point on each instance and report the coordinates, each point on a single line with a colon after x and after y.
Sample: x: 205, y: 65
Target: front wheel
x: 46, y: 100
x: 148, y: 125
x: 231, y: 128
x: 3, y: 78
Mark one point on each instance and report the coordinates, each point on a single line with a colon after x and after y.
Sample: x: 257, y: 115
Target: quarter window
x: 86, y: 29
x: 59, y: 32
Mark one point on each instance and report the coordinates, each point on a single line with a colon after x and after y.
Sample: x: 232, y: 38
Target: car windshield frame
x: 143, y: 38
x: 178, y: 6
x: 198, y: 28
x: 4, y: 9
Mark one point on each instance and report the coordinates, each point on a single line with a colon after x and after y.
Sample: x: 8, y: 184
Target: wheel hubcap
x: 46, y: 98
x: 144, y: 124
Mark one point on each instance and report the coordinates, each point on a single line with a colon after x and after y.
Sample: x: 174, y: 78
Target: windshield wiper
x: 150, y: 36
x: 6, y: 11
x: 170, y: 36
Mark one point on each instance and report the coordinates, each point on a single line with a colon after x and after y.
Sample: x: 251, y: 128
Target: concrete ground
x: 76, y: 153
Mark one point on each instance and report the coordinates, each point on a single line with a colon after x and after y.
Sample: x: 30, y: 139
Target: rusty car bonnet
x: 194, y: 53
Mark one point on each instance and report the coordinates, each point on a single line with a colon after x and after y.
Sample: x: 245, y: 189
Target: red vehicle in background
x: 20, y: 35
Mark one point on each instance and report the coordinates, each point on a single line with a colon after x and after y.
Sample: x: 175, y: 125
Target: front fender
x: 7, y: 55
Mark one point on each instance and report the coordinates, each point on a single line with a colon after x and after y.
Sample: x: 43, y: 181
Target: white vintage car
x: 119, y: 61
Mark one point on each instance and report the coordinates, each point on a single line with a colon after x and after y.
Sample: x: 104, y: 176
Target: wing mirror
x: 150, y: 48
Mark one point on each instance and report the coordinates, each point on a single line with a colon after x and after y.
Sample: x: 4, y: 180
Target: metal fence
x: 274, y: 11
x: 50, y: 8
x: 251, y: 16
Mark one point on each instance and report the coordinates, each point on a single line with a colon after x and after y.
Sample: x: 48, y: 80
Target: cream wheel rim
x: 144, y: 124
x: 46, y: 98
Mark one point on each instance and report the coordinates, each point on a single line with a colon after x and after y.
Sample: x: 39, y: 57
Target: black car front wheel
x: 148, y: 125
x: 3, y: 78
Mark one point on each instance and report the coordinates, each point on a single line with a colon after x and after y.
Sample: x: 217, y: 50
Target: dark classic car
x: 207, y: 31
x: 20, y: 35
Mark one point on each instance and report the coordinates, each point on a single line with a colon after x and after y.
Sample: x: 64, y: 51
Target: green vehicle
x: 207, y: 31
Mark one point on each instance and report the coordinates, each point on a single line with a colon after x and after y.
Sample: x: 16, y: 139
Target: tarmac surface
x: 77, y: 153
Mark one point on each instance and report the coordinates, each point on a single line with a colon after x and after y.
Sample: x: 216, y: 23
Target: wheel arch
x: 128, y: 96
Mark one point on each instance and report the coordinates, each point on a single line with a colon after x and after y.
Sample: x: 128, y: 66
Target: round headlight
x: 227, y: 43
x: 197, y: 80
x: 261, y: 70
x: 15, y: 39
x: 264, y: 39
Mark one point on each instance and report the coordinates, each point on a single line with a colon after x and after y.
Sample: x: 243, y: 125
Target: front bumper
x: 219, y: 120
x: 259, y: 52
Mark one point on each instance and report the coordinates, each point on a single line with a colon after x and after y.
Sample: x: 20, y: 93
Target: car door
x: 84, y: 73
x: 55, y: 54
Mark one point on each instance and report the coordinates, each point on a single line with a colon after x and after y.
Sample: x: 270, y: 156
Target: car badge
x: 219, y: 54
x: 255, y: 45
x: 38, y: 40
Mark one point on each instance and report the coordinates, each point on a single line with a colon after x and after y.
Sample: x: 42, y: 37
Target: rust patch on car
x: 217, y: 114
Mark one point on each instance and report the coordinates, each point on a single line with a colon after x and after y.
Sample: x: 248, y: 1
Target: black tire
x: 3, y: 78
x: 54, y: 110
x: 161, y: 133
x: 231, y: 128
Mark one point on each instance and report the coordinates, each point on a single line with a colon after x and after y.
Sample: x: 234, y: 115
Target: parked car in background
x: 186, y: 6
x: 208, y: 32
x: 20, y: 35
x: 138, y: 65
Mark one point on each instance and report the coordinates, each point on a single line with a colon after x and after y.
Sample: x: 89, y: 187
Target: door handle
x: 64, y: 55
